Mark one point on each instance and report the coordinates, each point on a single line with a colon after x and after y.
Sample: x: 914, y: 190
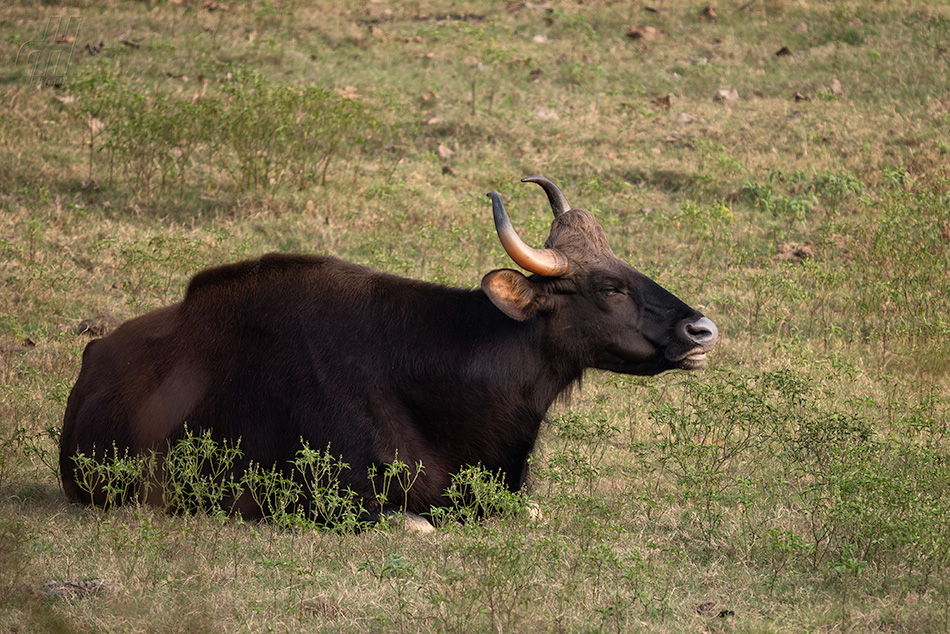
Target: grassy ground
x: 800, y: 484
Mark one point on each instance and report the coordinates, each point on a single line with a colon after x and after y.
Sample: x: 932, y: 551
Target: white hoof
x: 413, y: 523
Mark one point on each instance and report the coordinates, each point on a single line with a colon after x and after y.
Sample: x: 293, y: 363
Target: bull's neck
x: 528, y: 354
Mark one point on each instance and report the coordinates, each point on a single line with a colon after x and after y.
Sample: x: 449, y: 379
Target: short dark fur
x: 286, y: 347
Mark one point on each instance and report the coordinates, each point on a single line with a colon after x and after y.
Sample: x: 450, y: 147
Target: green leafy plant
x: 330, y: 504
x: 197, y: 474
x: 576, y: 465
x: 115, y: 479
x: 392, y: 483
x: 476, y: 494
x: 282, y: 134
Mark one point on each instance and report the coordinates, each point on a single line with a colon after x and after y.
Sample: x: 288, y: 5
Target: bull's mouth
x: 693, y: 360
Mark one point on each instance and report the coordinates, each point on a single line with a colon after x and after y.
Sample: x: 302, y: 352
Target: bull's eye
x: 610, y: 291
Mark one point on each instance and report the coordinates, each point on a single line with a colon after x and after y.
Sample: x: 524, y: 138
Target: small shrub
x: 114, y: 479
x: 266, y: 134
x: 576, y: 464
x: 197, y: 474
x: 475, y: 494
x: 330, y: 505
x: 285, y: 135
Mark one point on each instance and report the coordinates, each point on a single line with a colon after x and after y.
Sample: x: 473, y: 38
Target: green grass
x: 800, y: 484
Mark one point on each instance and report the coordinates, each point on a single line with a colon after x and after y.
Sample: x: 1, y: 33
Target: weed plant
x: 263, y: 135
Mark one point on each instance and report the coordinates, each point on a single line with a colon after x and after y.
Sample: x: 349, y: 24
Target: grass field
x: 781, y: 165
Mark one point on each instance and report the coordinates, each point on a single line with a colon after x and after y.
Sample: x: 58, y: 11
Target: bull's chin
x: 638, y: 367
x: 693, y: 360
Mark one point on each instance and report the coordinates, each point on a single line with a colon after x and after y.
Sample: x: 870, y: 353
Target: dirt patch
x: 794, y: 252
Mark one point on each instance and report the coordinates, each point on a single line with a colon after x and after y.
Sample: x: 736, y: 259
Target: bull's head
x: 613, y: 314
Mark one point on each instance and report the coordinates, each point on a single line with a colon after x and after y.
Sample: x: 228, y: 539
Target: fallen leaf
x: 545, y: 114
x: 706, y: 608
x: 685, y: 117
x: 782, y: 52
x: 672, y: 138
x: 800, y: 27
x: 645, y: 33
x: 709, y: 13
x: 348, y: 92
x: 445, y: 152
x: 836, y: 88
x: 65, y: 99
x: 535, y: 75
x: 95, y: 125
x: 800, y: 97
x: 727, y: 94
x: 663, y: 102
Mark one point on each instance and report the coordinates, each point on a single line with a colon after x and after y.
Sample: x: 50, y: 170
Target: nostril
x: 701, y: 332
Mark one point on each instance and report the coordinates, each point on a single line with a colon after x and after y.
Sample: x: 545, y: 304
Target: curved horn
x: 558, y: 202
x: 547, y: 262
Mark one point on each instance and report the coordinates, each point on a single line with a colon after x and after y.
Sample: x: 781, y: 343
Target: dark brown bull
x: 291, y: 348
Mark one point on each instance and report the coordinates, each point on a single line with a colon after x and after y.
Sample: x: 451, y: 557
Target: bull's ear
x: 512, y: 293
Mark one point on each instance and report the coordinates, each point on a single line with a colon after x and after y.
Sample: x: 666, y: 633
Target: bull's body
x: 292, y: 348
